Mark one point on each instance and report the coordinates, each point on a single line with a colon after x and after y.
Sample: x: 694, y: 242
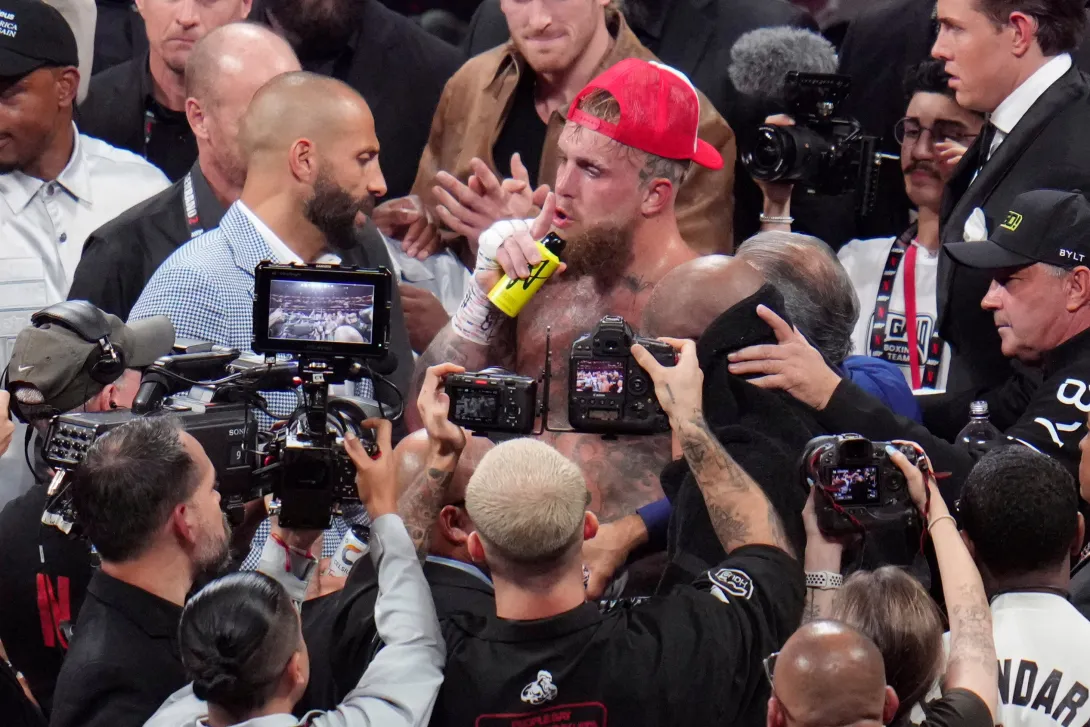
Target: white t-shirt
x: 1043, y: 646
x: 865, y: 260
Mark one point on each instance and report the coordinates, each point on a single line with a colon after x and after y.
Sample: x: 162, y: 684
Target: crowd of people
x: 154, y: 153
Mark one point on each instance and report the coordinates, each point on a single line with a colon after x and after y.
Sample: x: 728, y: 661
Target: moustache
x: 923, y: 166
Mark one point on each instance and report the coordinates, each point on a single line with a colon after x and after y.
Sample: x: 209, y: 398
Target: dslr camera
x: 608, y: 392
x: 492, y: 400
x: 823, y: 153
x: 860, y: 488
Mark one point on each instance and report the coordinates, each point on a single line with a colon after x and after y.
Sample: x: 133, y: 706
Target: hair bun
x: 216, y: 688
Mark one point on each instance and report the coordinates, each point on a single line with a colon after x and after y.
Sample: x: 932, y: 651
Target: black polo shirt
x: 120, y: 257
x: 123, y: 662
x: 39, y: 600
x: 121, y: 109
x: 400, y: 70
x: 690, y: 658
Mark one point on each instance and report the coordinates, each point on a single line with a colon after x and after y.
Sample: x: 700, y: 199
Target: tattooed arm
x: 424, y: 484
x: 972, y: 661
x: 738, y: 508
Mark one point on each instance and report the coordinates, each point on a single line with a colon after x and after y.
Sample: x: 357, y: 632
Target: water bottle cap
x: 978, y: 409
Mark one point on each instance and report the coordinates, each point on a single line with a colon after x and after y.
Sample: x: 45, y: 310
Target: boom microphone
x: 761, y: 58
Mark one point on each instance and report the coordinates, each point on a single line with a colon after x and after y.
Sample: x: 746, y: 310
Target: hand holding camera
x: 919, y: 476
x: 433, y: 403
x: 376, y: 479
x: 679, y: 388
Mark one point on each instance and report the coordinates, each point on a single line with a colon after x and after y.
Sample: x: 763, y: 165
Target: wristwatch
x: 824, y: 580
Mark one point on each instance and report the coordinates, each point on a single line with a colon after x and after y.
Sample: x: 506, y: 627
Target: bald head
x: 828, y: 673
x: 235, y: 60
x: 695, y: 293
x: 303, y: 105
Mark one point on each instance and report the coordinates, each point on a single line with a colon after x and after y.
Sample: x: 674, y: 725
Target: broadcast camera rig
x: 216, y: 393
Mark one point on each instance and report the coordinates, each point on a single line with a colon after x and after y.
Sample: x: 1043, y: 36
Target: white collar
x: 75, y: 178
x: 1008, y: 113
x: 1028, y: 599
x: 283, y: 254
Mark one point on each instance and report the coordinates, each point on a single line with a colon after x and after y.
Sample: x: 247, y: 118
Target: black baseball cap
x: 51, y: 359
x: 33, y: 35
x: 1043, y: 226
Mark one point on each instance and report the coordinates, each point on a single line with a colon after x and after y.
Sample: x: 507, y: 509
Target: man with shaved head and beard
x: 391, y: 61
x: 312, y: 164
x: 225, y: 70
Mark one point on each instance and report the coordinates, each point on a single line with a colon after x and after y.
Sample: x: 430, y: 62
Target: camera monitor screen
x: 301, y: 310
x: 854, y: 485
x: 599, y: 377
x: 321, y: 310
x: 475, y: 406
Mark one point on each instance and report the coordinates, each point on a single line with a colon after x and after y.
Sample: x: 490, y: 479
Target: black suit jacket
x: 1047, y: 149
x: 124, y: 658
x: 339, y: 629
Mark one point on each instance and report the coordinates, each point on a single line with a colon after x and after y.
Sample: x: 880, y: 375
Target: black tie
x: 987, y: 136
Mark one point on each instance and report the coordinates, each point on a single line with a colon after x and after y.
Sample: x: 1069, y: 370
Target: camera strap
x: 903, y: 249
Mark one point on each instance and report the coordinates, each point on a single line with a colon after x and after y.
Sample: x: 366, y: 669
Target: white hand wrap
x: 490, y: 241
x: 476, y: 319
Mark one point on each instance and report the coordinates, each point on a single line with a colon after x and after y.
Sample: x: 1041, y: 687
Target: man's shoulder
x: 208, y: 255
x: 408, y: 37
x: 478, y: 71
x: 112, y: 80
x: 104, y: 158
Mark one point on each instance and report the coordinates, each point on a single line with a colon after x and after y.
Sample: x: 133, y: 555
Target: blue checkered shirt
x: 206, y: 288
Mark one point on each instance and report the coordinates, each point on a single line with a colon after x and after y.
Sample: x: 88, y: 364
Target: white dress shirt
x: 43, y: 226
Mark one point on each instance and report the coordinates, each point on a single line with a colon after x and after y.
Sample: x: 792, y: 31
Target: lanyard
x: 189, y: 199
x: 903, y: 248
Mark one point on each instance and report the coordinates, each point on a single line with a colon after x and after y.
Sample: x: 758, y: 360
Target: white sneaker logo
x: 25, y: 368
x: 541, y: 690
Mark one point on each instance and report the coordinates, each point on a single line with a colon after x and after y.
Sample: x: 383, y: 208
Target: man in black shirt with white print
x: 548, y: 656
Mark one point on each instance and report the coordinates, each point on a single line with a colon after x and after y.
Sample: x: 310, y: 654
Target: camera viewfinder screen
x: 855, y: 485
x: 599, y: 377
x: 301, y: 310
x: 477, y: 407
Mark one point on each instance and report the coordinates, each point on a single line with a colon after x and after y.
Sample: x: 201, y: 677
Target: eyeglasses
x: 908, y: 131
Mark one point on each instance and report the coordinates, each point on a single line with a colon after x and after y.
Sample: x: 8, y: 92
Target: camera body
x: 608, y: 392
x: 860, y: 482
x: 492, y: 400
x: 821, y: 153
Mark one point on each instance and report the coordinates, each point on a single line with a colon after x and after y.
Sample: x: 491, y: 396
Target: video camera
x: 335, y: 321
x: 860, y: 487
x: 822, y: 153
x: 608, y: 392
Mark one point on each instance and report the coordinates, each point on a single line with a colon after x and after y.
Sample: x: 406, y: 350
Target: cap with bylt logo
x: 1042, y: 226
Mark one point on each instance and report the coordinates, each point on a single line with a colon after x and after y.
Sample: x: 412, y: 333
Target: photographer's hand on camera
x: 791, y: 365
x: 776, y: 211
x: 376, y: 479
x: 679, y: 388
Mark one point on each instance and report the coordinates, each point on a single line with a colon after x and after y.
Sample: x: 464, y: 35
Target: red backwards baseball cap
x: 660, y: 112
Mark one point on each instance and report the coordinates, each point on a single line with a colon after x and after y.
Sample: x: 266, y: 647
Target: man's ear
x: 1078, y: 293
x: 194, y: 114
x: 101, y: 400
x: 67, y: 80
x: 183, y: 524
x: 889, y: 709
x: 657, y: 197
x: 776, y: 717
x: 450, y: 525
x: 303, y: 161
x: 590, y: 525
x: 295, y: 673
x: 1024, y: 29
x: 475, y: 547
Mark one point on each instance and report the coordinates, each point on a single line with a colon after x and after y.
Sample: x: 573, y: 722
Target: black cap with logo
x: 33, y: 35
x: 1043, y: 226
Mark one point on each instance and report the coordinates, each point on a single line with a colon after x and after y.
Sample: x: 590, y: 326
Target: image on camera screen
x: 478, y: 407
x: 301, y: 310
x: 599, y: 377
x: 855, y: 486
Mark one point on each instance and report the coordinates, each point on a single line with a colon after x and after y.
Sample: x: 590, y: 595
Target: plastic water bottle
x: 979, y: 435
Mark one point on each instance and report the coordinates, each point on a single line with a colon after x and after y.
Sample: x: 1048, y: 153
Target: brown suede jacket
x: 474, y: 107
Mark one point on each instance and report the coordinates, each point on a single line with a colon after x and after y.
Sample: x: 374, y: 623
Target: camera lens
x: 772, y: 154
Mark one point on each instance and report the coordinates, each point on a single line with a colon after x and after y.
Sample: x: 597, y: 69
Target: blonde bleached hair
x: 527, y: 501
